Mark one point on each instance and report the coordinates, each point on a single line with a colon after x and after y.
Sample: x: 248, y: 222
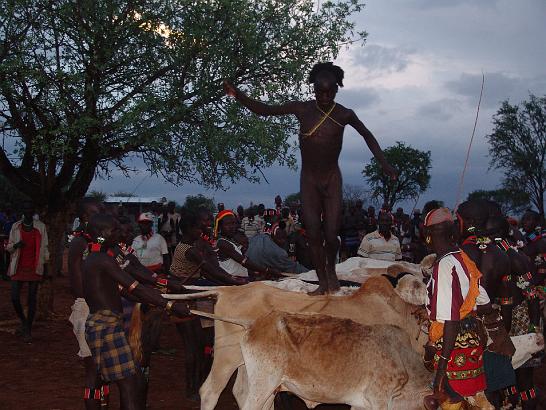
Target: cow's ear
x: 393, y: 281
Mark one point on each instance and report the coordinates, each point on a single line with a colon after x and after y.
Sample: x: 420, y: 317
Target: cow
x: 374, y: 365
x: 375, y: 302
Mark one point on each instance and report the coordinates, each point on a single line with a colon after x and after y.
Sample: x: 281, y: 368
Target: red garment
x: 28, y: 257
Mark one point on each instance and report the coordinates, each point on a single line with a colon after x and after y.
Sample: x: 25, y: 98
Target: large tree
x: 517, y: 145
x: 87, y: 84
x: 512, y: 201
x: 413, y: 168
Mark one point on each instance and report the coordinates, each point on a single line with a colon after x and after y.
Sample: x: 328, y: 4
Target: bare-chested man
x: 102, y: 279
x: 520, y: 311
x: 77, y: 252
x: 322, y: 122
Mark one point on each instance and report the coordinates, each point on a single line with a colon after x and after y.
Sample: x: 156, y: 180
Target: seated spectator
x: 230, y: 255
x: 381, y: 244
x: 269, y: 250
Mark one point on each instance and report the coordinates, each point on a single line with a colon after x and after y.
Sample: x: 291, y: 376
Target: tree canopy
x: 413, y: 168
x: 195, y: 202
x: 511, y: 201
x: 86, y: 85
x: 517, y: 145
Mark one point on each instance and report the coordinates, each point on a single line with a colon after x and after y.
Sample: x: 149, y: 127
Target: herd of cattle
x: 362, y: 347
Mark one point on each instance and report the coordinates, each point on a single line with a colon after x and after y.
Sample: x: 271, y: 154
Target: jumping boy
x: 322, y: 122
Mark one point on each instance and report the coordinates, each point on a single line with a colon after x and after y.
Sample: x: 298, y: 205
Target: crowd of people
x: 119, y: 265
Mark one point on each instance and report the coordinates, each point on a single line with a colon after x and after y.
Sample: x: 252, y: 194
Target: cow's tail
x: 135, y: 333
x: 190, y: 296
x: 245, y: 323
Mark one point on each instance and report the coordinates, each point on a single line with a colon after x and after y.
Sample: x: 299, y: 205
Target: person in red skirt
x: 27, y: 244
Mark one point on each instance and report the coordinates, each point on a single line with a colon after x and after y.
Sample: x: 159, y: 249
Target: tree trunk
x: 56, y: 226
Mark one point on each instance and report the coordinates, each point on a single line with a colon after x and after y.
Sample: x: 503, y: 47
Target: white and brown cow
x: 375, y: 302
x: 324, y: 359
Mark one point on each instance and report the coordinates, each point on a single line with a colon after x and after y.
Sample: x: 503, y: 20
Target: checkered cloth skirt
x: 109, y: 347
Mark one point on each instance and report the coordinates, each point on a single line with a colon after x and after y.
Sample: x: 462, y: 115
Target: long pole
x: 461, y: 182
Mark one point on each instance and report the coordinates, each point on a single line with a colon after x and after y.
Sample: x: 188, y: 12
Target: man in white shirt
x: 381, y: 244
x: 150, y: 247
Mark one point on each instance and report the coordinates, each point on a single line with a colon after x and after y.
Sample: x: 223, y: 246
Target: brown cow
x: 375, y: 302
x: 374, y: 366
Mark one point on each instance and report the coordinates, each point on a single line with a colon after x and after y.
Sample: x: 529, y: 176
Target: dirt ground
x: 47, y: 374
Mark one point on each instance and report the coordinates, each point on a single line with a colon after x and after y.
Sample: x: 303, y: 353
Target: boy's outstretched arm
x: 372, y: 143
x: 259, y: 107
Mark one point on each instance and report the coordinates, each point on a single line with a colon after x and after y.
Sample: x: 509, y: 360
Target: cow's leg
x: 264, y: 377
x: 240, y: 387
x: 226, y: 361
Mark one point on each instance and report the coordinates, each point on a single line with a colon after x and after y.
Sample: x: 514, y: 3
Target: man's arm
x: 372, y: 143
x: 228, y: 250
x: 259, y: 107
x: 138, y: 290
x: 211, y: 270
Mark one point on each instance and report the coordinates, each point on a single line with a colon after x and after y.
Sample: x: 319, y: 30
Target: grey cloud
x: 498, y: 87
x: 358, y: 98
x: 376, y: 58
x: 440, y: 110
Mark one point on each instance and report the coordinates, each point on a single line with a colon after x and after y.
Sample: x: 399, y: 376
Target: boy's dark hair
x: 327, y: 67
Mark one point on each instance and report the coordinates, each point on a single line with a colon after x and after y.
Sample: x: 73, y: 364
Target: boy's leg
x: 93, y: 384
x: 333, y: 204
x: 130, y: 394
x: 312, y: 210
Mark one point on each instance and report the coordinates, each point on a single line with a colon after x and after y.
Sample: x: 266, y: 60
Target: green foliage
x: 413, y: 168
x: 512, y: 201
x: 9, y: 195
x: 294, y: 198
x: 195, y: 202
x: 85, y: 85
x: 517, y: 145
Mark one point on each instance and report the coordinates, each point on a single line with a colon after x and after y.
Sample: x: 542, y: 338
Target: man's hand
x: 428, y: 359
x: 390, y: 171
x: 230, y: 89
x: 19, y: 245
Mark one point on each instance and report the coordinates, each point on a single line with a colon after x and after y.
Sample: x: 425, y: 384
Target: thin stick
x: 461, y: 183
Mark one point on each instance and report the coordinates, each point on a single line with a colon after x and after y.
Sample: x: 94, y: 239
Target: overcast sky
x: 416, y: 80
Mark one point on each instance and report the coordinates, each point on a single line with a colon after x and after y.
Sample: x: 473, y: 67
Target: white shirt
x: 375, y: 246
x: 448, y: 287
x: 150, y: 252
x: 231, y: 266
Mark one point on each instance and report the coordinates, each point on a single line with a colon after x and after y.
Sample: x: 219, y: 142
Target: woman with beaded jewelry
x: 29, y: 254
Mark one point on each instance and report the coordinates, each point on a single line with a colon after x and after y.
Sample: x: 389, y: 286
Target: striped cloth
x: 109, y: 347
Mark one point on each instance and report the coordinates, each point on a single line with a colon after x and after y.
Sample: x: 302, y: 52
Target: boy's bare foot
x: 318, y: 291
